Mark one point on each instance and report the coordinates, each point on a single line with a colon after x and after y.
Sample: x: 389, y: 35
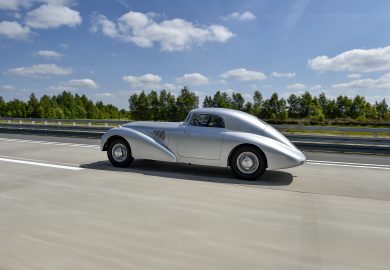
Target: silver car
x: 208, y: 136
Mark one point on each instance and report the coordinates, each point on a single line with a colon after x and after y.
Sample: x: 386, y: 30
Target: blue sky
x: 111, y: 49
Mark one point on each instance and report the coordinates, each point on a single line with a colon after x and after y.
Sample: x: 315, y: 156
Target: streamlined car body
x: 208, y: 136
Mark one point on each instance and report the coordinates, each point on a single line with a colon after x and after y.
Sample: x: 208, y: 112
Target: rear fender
x: 278, y: 155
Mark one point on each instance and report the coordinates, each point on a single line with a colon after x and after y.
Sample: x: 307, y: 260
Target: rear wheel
x: 119, y: 153
x: 248, y: 163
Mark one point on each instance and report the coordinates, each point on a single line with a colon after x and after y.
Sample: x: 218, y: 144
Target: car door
x: 202, y: 137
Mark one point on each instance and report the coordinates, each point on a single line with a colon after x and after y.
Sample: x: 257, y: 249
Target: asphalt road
x: 62, y: 206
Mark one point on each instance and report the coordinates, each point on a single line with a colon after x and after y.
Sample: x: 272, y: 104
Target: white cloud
x: 107, y: 27
x: 244, y: 17
x: 144, y: 82
x: 243, y: 74
x: 357, y: 60
x: 354, y: 76
x: 287, y: 75
x: 103, y: 95
x: 316, y: 87
x: 382, y: 83
x: 144, y: 31
x: 49, y: 54
x: 8, y: 87
x: 192, y: 79
x: 53, y: 16
x: 14, y: 4
x: 18, y: 4
x: 40, y: 70
x: 82, y: 83
x: 14, y: 30
x: 169, y: 86
x: 296, y: 86
x: 64, y: 45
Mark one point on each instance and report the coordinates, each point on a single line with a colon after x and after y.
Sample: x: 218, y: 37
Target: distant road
x: 63, y: 206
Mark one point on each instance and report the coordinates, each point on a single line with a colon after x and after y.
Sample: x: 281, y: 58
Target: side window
x: 232, y: 125
x: 207, y: 120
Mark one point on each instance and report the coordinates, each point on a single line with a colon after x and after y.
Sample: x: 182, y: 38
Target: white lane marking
x: 52, y: 143
x: 40, y: 160
x: 41, y: 164
x: 347, y: 163
x: 348, y: 144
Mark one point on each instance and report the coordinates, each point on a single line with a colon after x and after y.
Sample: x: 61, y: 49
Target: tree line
x: 165, y: 106
x: 62, y: 106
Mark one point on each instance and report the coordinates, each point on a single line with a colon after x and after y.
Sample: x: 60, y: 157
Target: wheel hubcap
x: 247, y: 162
x: 119, y: 152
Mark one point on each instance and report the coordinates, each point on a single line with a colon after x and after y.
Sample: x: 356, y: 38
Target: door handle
x: 186, y: 133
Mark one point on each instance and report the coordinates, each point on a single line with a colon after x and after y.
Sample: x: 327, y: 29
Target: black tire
x: 122, y: 146
x: 251, y: 153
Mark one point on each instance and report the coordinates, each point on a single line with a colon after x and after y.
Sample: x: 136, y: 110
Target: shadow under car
x: 193, y: 172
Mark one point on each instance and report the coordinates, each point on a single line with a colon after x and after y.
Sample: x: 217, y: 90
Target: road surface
x: 62, y: 206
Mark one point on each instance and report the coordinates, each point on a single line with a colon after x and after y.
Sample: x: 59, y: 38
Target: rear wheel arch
x: 248, y: 162
x: 246, y: 145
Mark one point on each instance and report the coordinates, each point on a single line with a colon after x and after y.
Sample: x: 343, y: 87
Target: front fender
x: 278, y: 154
x: 142, y: 146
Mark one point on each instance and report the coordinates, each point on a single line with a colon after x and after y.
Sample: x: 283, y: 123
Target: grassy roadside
x: 336, y: 133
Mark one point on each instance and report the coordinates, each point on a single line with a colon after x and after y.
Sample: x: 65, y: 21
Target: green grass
x: 337, y: 133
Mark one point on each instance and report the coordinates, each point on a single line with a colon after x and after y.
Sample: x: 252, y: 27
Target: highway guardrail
x: 372, y: 145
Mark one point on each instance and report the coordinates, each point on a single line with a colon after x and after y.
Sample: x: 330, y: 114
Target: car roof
x: 234, y: 114
x: 222, y: 112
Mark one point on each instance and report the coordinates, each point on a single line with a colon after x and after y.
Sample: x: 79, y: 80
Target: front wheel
x: 248, y: 163
x: 119, y: 153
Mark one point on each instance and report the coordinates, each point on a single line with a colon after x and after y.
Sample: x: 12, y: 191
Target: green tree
x: 154, y: 105
x: 248, y: 108
x: 208, y: 102
x: 33, y: 109
x: 134, y: 107
x: 257, y: 103
x: 237, y: 102
x: 294, y: 106
x: 143, y: 107
x: 164, y: 108
x: 274, y: 108
x: 172, y: 108
x: 222, y: 100
x: 306, y: 102
x: 382, y: 108
x: 2, y: 106
x: 343, y: 104
x: 185, y: 102
x: 357, y: 109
